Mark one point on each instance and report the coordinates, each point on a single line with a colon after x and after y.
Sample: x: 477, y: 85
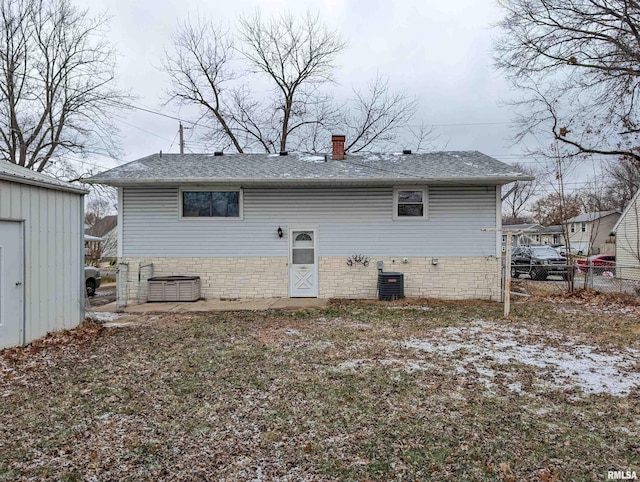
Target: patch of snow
x: 515, y: 387
x: 292, y: 332
x: 483, y: 345
x: 312, y: 158
x: 360, y: 326
x: 420, y: 308
x: 322, y: 345
x: 351, y: 364
x: 119, y: 324
x: 103, y: 316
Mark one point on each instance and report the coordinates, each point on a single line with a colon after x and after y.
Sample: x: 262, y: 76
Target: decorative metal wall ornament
x: 358, y: 259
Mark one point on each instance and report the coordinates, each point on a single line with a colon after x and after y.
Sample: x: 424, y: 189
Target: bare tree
x: 554, y: 208
x: 517, y: 198
x: 56, y: 83
x: 423, y: 137
x: 297, y: 55
x: 99, y: 204
x: 622, y: 182
x: 376, y: 115
x: 578, y: 61
x: 201, y: 69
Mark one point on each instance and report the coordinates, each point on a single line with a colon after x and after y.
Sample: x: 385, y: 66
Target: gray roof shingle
x: 312, y: 169
x: 588, y: 217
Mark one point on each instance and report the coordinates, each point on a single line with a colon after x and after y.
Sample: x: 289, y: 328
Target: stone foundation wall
x: 451, y: 278
x: 256, y: 277
x: 268, y: 277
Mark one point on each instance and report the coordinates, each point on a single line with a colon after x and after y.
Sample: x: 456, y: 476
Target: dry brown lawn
x: 420, y: 390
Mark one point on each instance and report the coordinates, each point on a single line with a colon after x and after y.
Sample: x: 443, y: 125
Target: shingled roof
x: 464, y: 167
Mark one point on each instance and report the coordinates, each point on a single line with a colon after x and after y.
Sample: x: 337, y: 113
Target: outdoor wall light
x: 280, y: 233
x: 434, y: 261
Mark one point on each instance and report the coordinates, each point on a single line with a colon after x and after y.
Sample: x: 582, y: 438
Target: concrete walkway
x: 218, y: 305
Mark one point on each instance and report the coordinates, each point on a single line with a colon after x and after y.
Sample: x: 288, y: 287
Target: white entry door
x: 11, y: 283
x: 303, y: 264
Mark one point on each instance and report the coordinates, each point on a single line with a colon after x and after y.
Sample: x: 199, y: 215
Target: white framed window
x: 410, y: 202
x: 584, y: 227
x: 210, y: 203
x: 573, y: 227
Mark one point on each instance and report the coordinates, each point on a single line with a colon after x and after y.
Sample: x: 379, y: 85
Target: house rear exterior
x: 255, y: 226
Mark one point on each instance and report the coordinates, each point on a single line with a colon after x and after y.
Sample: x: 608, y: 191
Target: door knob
x: 18, y: 283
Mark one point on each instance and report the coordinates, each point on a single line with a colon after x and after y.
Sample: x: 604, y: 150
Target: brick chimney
x: 338, y: 147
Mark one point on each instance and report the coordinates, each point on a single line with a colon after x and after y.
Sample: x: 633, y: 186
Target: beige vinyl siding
x: 54, y: 279
x: 354, y: 220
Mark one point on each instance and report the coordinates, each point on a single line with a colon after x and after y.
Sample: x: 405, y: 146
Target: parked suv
x: 92, y: 279
x: 538, y: 262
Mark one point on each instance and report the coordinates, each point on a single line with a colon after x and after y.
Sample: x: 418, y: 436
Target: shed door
x: 303, y: 265
x: 11, y: 283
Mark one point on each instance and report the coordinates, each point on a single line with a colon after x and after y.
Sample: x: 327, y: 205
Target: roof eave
x: 34, y: 182
x: 624, y: 213
x: 493, y: 180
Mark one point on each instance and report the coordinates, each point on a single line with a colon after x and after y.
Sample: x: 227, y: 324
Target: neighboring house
x: 92, y: 249
x: 627, y: 233
x: 41, y: 255
x: 258, y: 225
x: 101, y: 239
x: 589, y: 233
x: 526, y: 234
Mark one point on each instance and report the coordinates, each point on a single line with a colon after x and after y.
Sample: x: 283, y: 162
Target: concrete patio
x: 217, y: 305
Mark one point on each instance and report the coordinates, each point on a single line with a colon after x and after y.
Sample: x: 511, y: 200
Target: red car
x: 600, y: 263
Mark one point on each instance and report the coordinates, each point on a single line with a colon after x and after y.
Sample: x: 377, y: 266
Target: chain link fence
x: 541, y: 279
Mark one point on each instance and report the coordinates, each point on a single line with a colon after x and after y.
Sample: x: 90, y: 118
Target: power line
x: 144, y: 130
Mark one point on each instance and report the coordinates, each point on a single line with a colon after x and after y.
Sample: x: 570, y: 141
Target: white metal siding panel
x: 53, y: 254
x: 627, y: 242
x: 348, y: 220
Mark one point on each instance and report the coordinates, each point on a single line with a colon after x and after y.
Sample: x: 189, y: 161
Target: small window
x: 211, y: 204
x: 573, y: 227
x: 410, y: 203
x: 584, y: 227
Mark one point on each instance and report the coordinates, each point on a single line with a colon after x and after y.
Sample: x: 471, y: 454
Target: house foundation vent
x: 174, y: 288
x: 390, y: 286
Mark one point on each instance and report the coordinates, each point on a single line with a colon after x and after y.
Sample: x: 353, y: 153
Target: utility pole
x: 181, y: 139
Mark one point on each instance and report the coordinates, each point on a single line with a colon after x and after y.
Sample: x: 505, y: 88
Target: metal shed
x: 41, y: 255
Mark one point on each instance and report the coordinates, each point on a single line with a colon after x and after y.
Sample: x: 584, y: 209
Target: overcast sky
x: 438, y: 51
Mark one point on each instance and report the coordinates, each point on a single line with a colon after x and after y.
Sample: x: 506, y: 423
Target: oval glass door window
x: 303, y: 251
